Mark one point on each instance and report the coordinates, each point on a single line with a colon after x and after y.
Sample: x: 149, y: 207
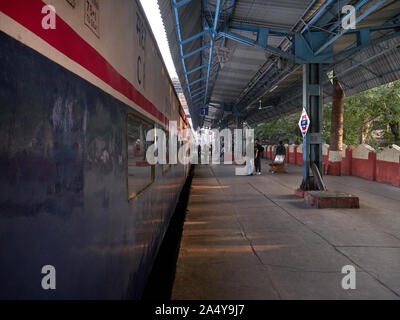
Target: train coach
x: 82, y: 214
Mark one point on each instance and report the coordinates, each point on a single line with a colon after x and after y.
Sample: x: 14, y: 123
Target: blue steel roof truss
x: 321, y: 19
x: 208, y: 36
x: 314, y: 43
x: 210, y: 28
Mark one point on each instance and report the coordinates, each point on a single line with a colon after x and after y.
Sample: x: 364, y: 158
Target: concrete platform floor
x: 250, y: 237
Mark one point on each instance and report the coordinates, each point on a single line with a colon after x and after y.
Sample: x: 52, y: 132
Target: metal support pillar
x: 312, y: 143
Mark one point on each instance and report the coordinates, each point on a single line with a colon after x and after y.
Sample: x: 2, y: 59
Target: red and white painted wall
x: 362, y: 161
x: 292, y: 153
x: 325, y: 157
x: 388, y: 165
x: 299, y: 155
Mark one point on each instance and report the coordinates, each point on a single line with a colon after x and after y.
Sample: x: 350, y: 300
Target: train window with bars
x: 140, y: 172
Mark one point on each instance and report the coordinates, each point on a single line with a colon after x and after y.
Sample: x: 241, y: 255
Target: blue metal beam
x: 254, y: 28
x: 352, y: 50
x: 316, y: 18
x: 180, y: 3
x: 368, y: 59
x: 287, y: 47
x: 196, y: 94
x: 358, y: 19
x: 231, y: 8
x: 214, y: 31
x: 200, y: 34
x: 324, y: 16
x: 250, y: 42
x: 196, y: 100
x: 319, y: 14
x: 178, y: 31
x: 386, y: 26
x: 195, y: 51
x: 357, y: 6
x: 317, y: 49
x: 198, y: 89
x: 196, y: 81
x: 197, y: 69
x: 227, y: 18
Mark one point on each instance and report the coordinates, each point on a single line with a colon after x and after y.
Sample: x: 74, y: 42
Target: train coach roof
x: 241, y: 72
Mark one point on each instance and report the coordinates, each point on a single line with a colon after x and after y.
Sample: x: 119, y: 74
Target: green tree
x: 377, y: 109
x: 389, y: 118
x: 365, y: 112
x: 285, y: 129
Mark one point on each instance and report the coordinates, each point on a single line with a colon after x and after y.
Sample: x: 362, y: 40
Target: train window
x: 140, y: 172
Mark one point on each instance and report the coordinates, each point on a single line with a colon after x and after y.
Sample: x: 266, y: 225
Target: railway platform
x: 250, y: 237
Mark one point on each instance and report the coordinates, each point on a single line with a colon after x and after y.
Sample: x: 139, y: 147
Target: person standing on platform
x: 199, y: 153
x: 278, y: 165
x: 258, y: 149
x: 280, y: 149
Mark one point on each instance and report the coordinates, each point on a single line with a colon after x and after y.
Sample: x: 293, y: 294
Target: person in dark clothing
x: 199, y: 153
x: 278, y: 165
x: 258, y: 149
x: 222, y: 151
x: 280, y: 149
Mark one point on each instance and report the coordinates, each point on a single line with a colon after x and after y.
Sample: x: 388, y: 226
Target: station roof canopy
x: 242, y: 59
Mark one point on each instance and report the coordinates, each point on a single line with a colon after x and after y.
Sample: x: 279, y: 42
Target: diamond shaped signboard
x: 304, y: 122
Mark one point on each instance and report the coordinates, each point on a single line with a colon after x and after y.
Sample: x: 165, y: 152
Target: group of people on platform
x: 279, y: 157
x: 254, y: 168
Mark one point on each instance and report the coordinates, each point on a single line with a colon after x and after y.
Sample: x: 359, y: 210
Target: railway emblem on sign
x: 304, y: 122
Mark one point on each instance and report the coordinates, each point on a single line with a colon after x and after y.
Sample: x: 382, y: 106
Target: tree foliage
x: 285, y: 129
x: 366, y: 115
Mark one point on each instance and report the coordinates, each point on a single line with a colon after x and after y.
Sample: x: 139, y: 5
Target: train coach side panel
x: 63, y: 179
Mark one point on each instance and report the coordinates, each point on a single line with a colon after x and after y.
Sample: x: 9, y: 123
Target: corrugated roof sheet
x: 246, y: 65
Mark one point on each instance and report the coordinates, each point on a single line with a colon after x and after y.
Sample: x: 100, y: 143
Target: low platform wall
x: 388, y: 165
x: 299, y: 155
x: 361, y: 161
x: 292, y: 153
x: 346, y: 161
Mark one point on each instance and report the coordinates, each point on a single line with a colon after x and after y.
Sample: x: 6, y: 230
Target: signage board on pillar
x: 204, y: 111
x: 304, y: 122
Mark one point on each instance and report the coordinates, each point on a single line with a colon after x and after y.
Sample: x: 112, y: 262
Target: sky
x: 154, y: 16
